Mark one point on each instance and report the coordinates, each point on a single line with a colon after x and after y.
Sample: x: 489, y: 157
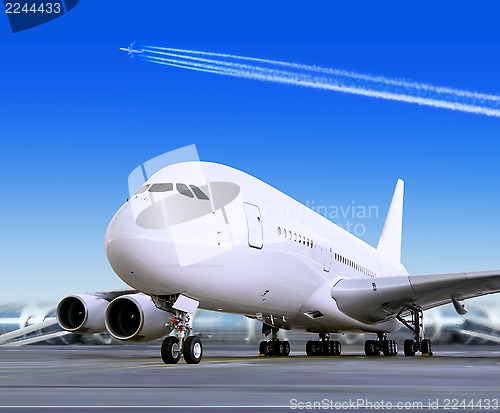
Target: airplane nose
x: 139, y: 256
x: 120, y: 226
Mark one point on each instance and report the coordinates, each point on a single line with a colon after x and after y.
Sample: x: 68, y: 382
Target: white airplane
x: 131, y: 51
x: 201, y: 234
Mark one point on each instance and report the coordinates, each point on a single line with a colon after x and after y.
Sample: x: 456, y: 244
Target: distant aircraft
x: 482, y: 324
x: 200, y: 234
x: 131, y: 51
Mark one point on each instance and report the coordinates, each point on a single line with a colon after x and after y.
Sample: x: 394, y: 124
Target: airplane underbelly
x: 251, y: 282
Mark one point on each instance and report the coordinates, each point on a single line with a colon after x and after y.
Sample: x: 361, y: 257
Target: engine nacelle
x: 83, y: 313
x: 135, y: 317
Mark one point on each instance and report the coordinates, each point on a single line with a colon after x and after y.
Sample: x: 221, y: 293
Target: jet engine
x: 82, y: 313
x: 135, y: 317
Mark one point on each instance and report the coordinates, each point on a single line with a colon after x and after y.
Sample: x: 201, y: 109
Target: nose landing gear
x: 181, y: 344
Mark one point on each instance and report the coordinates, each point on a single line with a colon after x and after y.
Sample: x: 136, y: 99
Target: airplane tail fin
x: 389, y: 243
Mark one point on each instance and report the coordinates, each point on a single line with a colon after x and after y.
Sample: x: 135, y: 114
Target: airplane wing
x: 373, y: 300
x: 111, y: 295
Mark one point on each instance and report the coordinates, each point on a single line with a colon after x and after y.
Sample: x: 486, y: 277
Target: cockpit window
x: 161, y: 187
x: 198, y: 192
x: 142, y: 189
x: 184, y: 190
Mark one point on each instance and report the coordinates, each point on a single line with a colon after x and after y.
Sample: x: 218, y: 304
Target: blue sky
x: 77, y: 116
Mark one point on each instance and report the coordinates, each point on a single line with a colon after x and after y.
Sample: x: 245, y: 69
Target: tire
x: 371, y: 348
x: 193, y: 350
x: 310, y: 348
x: 390, y: 347
x: 278, y: 348
x: 269, y: 350
x: 409, y: 348
x: 328, y: 348
x: 426, y: 347
x: 286, y: 348
x: 337, y: 348
x: 394, y: 347
x: 170, y: 350
x: 262, y: 348
x: 386, y: 348
x: 318, y: 348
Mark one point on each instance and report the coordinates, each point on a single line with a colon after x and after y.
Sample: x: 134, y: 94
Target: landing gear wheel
x: 337, y: 348
x: 192, y: 350
x: 278, y: 348
x: 390, y: 347
x: 409, y: 347
x: 269, y: 348
x: 372, y: 348
x: 170, y: 350
x: 274, y: 348
x: 323, y: 348
x: 311, y: 348
x: 286, y: 348
x: 328, y: 348
x: 426, y: 347
x: 331, y: 348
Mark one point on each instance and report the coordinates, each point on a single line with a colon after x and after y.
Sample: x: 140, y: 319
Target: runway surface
x: 133, y: 378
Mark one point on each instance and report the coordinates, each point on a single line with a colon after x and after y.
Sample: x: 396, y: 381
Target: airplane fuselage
x: 239, y: 245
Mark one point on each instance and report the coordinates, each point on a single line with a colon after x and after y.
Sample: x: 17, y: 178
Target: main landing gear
x: 381, y: 345
x: 416, y: 324
x: 324, y: 346
x: 273, y: 347
x: 181, y: 344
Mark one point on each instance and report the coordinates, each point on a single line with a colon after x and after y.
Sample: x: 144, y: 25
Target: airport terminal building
x: 36, y: 324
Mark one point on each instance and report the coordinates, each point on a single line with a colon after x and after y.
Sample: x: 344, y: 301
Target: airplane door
x: 328, y: 260
x: 254, y: 223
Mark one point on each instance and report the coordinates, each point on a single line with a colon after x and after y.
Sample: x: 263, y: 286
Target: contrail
x: 326, y: 78
x: 339, y: 72
x: 322, y: 83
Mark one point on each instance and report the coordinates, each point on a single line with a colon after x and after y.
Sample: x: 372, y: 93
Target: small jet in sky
x: 131, y: 51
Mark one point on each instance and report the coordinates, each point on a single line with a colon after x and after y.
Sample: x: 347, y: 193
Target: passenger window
x: 279, y: 231
x: 198, y: 192
x: 184, y: 190
x: 142, y: 189
x: 161, y: 187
